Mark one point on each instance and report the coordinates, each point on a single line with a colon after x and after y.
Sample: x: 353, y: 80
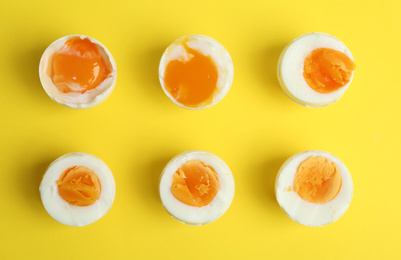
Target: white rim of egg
x: 74, y: 100
x: 192, y: 215
x: 61, y: 210
x: 304, y: 212
x: 290, y: 69
x: 208, y: 47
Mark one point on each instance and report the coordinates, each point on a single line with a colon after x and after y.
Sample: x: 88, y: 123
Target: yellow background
x: 255, y: 128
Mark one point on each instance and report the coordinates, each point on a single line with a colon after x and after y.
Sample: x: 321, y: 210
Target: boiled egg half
x: 77, y: 189
x: 314, y: 188
x: 196, y: 187
x: 77, y: 71
x: 315, y: 69
x: 196, y: 71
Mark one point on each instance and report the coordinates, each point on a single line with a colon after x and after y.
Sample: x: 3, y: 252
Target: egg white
x: 208, y: 47
x: 197, y: 215
x: 291, y: 68
x: 304, y: 212
x: 66, y: 213
x: 74, y: 100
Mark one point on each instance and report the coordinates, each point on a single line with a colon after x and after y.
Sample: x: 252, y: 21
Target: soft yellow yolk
x: 318, y: 180
x: 192, y: 82
x: 79, y: 186
x: 195, y: 183
x: 78, y: 66
x: 327, y: 70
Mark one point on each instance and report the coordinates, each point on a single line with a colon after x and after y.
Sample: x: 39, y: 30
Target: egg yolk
x: 79, y: 186
x: 78, y: 66
x: 191, y: 82
x: 327, y: 70
x: 195, y: 183
x: 318, y: 180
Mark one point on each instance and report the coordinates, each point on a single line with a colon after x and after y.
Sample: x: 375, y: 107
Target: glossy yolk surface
x: 326, y: 70
x: 318, y: 180
x: 195, y: 183
x: 191, y: 82
x: 79, y: 186
x: 78, y: 66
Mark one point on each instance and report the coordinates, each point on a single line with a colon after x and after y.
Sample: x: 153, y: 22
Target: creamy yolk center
x: 78, y: 66
x: 318, y: 180
x: 195, y: 183
x: 194, y: 81
x: 327, y: 70
x: 79, y: 186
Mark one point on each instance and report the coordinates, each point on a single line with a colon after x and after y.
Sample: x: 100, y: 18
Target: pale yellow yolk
x: 192, y: 82
x: 318, y: 180
x: 79, y: 186
x: 327, y: 70
x: 78, y: 66
x: 195, y: 183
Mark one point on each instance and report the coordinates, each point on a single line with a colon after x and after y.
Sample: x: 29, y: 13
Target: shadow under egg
x: 265, y: 67
x: 26, y: 64
x: 266, y: 173
x: 30, y: 178
x: 146, y: 64
x: 150, y: 178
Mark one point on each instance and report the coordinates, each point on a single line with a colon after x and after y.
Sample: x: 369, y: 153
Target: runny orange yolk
x: 192, y: 82
x: 78, y: 66
x: 195, y: 183
x: 79, y: 186
x: 327, y: 70
x: 318, y: 180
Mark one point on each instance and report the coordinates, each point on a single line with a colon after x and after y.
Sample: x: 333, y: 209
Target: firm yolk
x: 195, y: 183
x: 327, y: 70
x: 318, y: 180
x: 194, y: 81
x: 78, y: 66
x: 79, y: 186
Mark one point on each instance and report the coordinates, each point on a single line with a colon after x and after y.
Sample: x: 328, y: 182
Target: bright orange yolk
x: 78, y: 66
x: 326, y: 70
x: 79, y: 186
x: 192, y: 82
x: 318, y: 180
x: 195, y: 183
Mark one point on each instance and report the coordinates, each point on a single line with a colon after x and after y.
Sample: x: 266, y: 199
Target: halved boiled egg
x: 314, y: 188
x: 77, y: 189
x: 196, y: 187
x: 315, y: 69
x: 196, y: 71
x: 77, y: 71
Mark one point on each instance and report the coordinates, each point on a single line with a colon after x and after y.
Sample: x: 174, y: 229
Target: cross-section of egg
x: 315, y: 69
x: 196, y: 72
x: 77, y: 71
x: 314, y: 188
x: 77, y: 189
x: 196, y: 187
